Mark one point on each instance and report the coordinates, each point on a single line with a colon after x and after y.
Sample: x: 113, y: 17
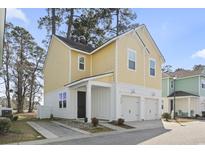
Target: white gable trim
x: 88, y: 79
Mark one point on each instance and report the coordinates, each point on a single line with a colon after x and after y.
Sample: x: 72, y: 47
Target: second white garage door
x: 130, y: 108
x: 151, y: 109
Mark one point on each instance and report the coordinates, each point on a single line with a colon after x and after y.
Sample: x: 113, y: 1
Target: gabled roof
x: 181, y: 93
x: 183, y: 73
x: 76, y: 45
x: 88, y: 49
x: 88, y: 78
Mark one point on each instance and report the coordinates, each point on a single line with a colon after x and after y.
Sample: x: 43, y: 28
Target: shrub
x: 166, y: 116
x: 15, y: 118
x: 95, y: 122
x: 197, y: 116
x: 5, y: 124
x: 51, y: 116
x: 120, y: 121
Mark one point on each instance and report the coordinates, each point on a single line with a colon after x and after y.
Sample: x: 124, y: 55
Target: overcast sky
x: 179, y: 33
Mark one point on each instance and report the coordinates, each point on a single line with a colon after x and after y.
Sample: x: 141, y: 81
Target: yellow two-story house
x: 119, y: 79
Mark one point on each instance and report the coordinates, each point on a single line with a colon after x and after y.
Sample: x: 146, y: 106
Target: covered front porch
x: 92, y: 99
x: 186, y: 104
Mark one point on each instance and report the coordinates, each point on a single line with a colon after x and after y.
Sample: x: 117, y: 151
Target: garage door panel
x: 130, y: 108
x: 151, y: 109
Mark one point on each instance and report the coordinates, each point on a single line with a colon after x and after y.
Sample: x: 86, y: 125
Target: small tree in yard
x: 166, y: 116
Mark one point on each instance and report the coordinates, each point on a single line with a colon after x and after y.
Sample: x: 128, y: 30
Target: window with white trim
x: 131, y: 58
x: 152, y: 67
x: 62, y: 100
x: 172, y: 84
x: 203, y: 84
x: 81, y: 63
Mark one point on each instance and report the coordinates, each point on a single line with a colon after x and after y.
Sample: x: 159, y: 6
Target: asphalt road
x: 125, y: 138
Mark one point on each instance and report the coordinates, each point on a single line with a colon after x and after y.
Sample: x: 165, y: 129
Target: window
x: 172, y: 84
x: 131, y: 59
x: 62, y: 100
x: 203, y: 84
x: 81, y: 63
x: 152, y: 67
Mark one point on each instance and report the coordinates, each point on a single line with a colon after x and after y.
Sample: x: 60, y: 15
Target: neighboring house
x: 120, y: 79
x: 189, y: 92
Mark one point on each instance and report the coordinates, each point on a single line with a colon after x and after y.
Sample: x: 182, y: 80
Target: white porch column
x: 88, y: 101
x: 189, y: 107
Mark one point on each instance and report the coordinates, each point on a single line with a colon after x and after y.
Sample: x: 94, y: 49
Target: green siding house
x: 188, y: 87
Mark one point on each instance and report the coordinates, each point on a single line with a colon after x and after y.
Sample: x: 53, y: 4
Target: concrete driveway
x: 148, y: 124
x: 187, y: 134
x: 57, y: 130
x: 123, y: 138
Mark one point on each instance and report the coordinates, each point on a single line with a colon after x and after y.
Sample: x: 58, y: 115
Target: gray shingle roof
x: 76, y: 45
x: 183, y: 73
x: 181, y: 93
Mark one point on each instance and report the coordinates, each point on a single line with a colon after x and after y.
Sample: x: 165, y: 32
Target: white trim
x: 133, y: 51
x: 87, y: 79
x: 154, y: 43
x: 152, y: 59
x: 84, y: 58
x: 101, y: 84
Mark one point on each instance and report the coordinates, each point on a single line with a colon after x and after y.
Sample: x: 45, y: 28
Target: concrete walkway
x: 42, y: 131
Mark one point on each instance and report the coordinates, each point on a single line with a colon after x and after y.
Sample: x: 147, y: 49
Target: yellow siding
x: 107, y: 79
x: 142, y: 62
x: 104, y: 60
x: 56, y: 70
x: 152, y: 82
x: 75, y: 73
x: 125, y: 75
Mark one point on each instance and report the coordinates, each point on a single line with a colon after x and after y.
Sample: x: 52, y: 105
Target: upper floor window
x: 62, y: 100
x: 152, y: 67
x: 81, y: 63
x: 203, y: 84
x: 172, y: 84
x: 131, y: 58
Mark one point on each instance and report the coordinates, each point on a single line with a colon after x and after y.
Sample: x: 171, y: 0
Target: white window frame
x: 152, y: 59
x: 81, y: 56
x: 133, y: 51
x: 172, y: 82
x: 62, y: 99
x: 202, y: 82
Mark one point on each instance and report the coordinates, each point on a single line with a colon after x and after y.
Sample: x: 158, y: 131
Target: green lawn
x: 20, y: 131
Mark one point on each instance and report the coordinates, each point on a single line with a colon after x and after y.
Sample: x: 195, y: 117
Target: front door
x: 81, y: 104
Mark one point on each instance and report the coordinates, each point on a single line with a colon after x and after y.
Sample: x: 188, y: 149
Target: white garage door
x: 151, y: 109
x: 130, y: 108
